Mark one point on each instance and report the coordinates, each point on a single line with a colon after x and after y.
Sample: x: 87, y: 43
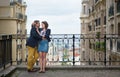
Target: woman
x: 43, y: 45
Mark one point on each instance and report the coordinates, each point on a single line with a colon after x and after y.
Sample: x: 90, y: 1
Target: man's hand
x: 33, y: 23
x: 37, y: 29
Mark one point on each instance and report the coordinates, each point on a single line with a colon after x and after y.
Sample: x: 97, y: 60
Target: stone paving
x: 63, y: 71
x: 69, y: 73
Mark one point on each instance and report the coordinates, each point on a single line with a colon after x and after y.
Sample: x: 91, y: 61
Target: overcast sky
x: 62, y: 15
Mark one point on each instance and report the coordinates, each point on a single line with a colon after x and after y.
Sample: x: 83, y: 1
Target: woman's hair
x: 46, y: 24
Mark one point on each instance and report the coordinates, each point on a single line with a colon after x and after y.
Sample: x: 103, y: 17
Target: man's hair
x: 36, y: 21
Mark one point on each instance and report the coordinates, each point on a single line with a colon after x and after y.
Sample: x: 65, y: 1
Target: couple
x: 37, y: 45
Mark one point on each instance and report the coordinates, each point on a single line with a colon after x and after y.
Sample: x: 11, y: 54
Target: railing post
x: 4, y: 50
x: 73, y: 50
x: 10, y: 43
x: 105, y: 50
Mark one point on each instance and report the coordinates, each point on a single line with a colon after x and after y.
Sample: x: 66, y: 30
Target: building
x: 113, y: 28
x: 93, y: 22
x: 100, y: 18
x: 13, y: 22
x: 84, y: 29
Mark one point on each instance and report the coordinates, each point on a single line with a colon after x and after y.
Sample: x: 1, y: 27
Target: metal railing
x: 19, y: 15
x: 99, y: 50
x: 72, y: 49
x: 84, y: 49
x: 64, y: 49
x: 5, y: 50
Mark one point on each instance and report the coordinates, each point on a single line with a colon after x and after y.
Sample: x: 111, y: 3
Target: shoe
x: 43, y: 71
x: 36, y: 69
x: 40, y: 71
x: 33, y: 70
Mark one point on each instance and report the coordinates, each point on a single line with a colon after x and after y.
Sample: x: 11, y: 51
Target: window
x: 84, y: 8
x: 20, y: 1
x: 96, y: 22
x: 94, y: 28
x: 104, y: 20
x: 99, y: 21
x: 90, y: 45
x: 90, y: 28
x: 89, y: 11
x: 118, y: 45
x: 111, y: 44
x: 112, y: 29
x: 119, y: 29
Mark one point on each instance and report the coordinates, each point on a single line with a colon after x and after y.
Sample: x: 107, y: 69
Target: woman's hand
x: 43, y: 37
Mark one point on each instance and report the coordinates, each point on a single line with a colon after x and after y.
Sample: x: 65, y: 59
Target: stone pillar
x: 14, y: 53
x: 24, y: 54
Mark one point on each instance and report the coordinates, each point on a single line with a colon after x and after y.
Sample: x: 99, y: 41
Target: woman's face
x: 43, y: 25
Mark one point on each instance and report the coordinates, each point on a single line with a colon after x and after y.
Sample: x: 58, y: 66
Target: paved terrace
x: 64, y: 71
x: 60, y: 71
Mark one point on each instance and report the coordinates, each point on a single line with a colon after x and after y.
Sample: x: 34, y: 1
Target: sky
x: 62, y: 15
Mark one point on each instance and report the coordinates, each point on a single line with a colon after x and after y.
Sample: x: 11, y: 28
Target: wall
x: 8, y: 27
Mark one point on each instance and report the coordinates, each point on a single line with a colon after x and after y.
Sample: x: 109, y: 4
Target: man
x: 32, y: 44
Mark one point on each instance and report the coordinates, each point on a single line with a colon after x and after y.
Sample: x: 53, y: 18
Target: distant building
x: 60, y: 52
x: 13, y: 22
x: 99, y: 17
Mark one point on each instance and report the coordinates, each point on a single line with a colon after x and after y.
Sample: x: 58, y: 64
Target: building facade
x: 113, y: 28
x: 84, y: 30
x: 13, y: 22
x: 92, y: 45
x: 100, y: 18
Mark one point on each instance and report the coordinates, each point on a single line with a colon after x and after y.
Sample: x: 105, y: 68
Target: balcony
x: 16, y: 2
x: 19, y: 15
x: 111, y: 11
x: 66, y: 57
x: 8, y: 13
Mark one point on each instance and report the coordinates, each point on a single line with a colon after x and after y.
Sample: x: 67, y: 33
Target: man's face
x: 38, y: 24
